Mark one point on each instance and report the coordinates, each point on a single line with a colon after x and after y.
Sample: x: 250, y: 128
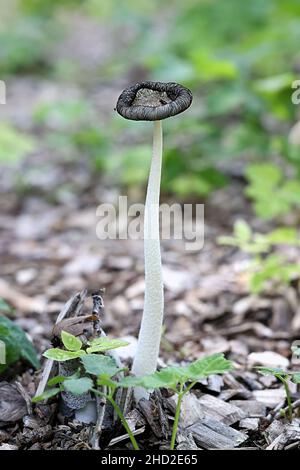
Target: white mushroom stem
x: 145, y: 361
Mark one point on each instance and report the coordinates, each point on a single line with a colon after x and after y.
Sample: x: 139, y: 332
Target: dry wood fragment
x: 250, y: 424
x: 211, y: 434
x: 13, y: 406
x: 186, y: 442
x: 19, y: 301
x: 251, y: 408
x: 226, y: 413
x: 271, y: 397
x: 154, y: 414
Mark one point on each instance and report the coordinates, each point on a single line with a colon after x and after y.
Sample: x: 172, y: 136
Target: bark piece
x: 215, y: 408
x: 252, y: 408
x: 250, y: 424
x: 271, y: 397
x: 211, y: 434
x: 268, y: 359
x: 12, y: 404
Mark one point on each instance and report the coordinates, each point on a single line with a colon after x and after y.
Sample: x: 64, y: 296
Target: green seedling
x: 180, y: 380
x: 98, y: 374
x: 75, y: 348
x: 105, y: 368
x: 265, y: 264
x: 284, y: 377
x: 17, y: 345
x: 272, y: 193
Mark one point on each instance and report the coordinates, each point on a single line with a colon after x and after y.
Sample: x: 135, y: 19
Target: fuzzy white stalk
x: 145, y: 361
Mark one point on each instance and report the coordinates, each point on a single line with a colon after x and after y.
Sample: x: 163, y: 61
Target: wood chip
x: 186, y: 442
x: 12, y: 404
x: 268, y: 359
x: 274, y: 430
x: 251, y: 408
x: 250, y: 424
x: 211, y: 434
x: 20, y: 301
x: 8, y: 447
x: 270, y: 398
x: 215, y: 408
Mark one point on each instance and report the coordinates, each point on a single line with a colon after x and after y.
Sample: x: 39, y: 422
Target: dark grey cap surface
x: 153, y: 101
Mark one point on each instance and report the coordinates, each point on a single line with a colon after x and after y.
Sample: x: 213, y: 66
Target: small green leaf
x: 14, y: 145
x: 78, y: 386
x: 265, y: 175
x: 283, y: 235
x: 105, y: 344
x: 60, y: 355
x: 56, y: 380
x: 242, y: 231
x: 97, y: 364
x: 170, y: 377
x: 165, y: 378
x: 296, y: 378
x: 278, y: 373
x: 214, y: 364
x: 51, y: 392
x: 70, y: 342
x: 17, y: 344
x: 105, y: 380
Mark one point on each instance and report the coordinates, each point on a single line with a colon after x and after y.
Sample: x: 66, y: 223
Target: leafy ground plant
x: 284, y: 377
x: 180, y: 380
x: 266, y: 265
x: 93, y: 364
x: 272, y: 193
x: 17, y: 345
x: 98, y: 374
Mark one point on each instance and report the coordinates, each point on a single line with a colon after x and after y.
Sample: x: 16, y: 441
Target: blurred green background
x: 239, y: 58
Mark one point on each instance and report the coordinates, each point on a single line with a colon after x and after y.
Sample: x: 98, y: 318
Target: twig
x: 276, y: 413
x: 73, y: 304
x: 25, y: 396
x: 101, y: 407
x: 118, y: 439
x: 294, y: 405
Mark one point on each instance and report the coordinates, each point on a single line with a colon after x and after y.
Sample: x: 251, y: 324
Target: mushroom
x: 152, y: 101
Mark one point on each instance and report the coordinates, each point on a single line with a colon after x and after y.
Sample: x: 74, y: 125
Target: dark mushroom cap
x: 153, y: 101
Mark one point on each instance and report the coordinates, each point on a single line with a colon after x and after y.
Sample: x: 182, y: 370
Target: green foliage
x: 62, y: 114
x: 284, y: 377
x: 49, y: 393
x: 61, y: 355
x: 180, y: 175
x: 74, y: 349
x: 13, y: 144
x: 180, y: 380
x: 274, y: 268
x: 257, y: 243
x: 280, y: 374
x: 17, y: 345
x: 266, y: 265
x: 271, y: 193
x: 78, y: 386
x: 97, y: 364
x: 24, y: 45
x: 238, y: 71
x: 172, y: 377
x: 70, y: 342
x: 103, y: 369
x: 105, y: 344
